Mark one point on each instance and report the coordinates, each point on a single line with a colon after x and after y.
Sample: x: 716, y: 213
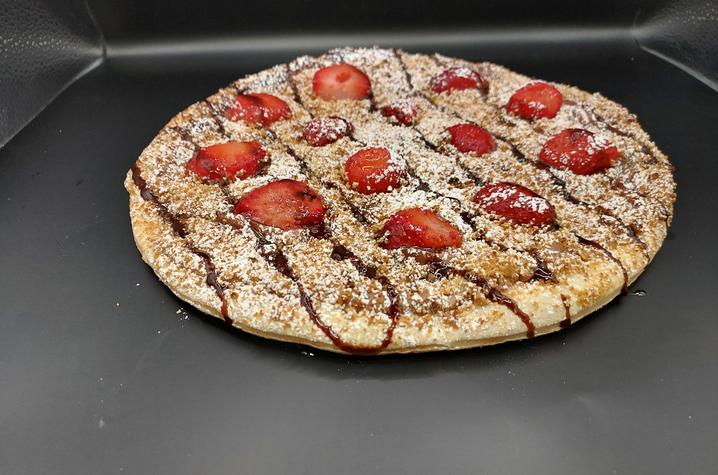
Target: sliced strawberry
x: 326, y: 130
x: 403, y: 112
x: 535, y: 100
x: 580, y: 151
x: 283, y: 204
x: 259, y: 109
x: 373, y: 170
x: 470, y: 138
x: 516, y: 203
x: 341, y: 81
x: 417, y: 227
x: 458, y: 78
x: 227, y: 161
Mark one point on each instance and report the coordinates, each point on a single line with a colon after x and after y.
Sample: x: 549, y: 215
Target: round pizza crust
x: 609, y: 225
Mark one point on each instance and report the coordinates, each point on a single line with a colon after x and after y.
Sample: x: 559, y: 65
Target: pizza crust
x: 262, y: 302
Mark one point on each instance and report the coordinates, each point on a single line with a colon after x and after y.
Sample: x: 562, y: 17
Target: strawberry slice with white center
x: 458, y: 78
x: 341, y: 81
x: 421, y: 228
x: 580, y: 151
x: 535, y: 101
x: 402, y: 112
x: 227, y: 161
x: 283, y: 204
x: 326, y: 130
x: 373, y: 170
x: 471, y: 138
x: 259, y: 109
x: 516, y: 203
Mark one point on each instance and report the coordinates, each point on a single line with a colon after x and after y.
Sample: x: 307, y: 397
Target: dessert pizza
x: 374, y: 201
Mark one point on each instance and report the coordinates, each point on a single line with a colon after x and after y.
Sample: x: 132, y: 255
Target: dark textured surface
x: 44, y: 46
x: 99, y: 374
x: 684, y: 32
x: 175, y: 19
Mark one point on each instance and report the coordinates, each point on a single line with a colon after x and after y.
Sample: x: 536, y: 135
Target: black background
x: 172, y: 19
x: 100, y: 374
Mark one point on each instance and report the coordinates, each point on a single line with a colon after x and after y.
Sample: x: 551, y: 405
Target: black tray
x: 103, y: 370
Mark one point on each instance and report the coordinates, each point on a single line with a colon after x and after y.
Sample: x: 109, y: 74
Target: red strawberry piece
x: 259, y: 109
x: 470, y: 138
x: 580, y: 151
x: 326, y: 130
x: 341, y: 81
x: 458, y: 78
x: 516, y: 203
x: 373, y: 170
x: 417, y: 227
x: 403, y: 112
x: 535, y: 100
x: 227, y: 161
x: 283, y: 204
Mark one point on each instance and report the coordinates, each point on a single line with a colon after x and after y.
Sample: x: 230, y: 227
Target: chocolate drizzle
x: 184, y: 135
x: 274, y: 256
x: 212, y: 280
x: 442, y: 270
x: 147, y: 195
x: 178, y: 228
x: 354, y: 209
x: 216, y: 118
x: 542, y: 271
x: 607, y: 253
x: 566, y: 322
x: 496, y: 296
x: 293, y: 85
x: 340, y: 253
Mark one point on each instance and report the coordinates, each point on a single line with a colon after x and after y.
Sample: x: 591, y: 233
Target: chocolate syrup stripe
x: 271, y: 253
x: 275, y: 257
x: 490, y: 292
x: 442, y: 269
x: 566, y: 322
x: 595, y: 245
x: 179, y: 229
x: 215, y: 117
